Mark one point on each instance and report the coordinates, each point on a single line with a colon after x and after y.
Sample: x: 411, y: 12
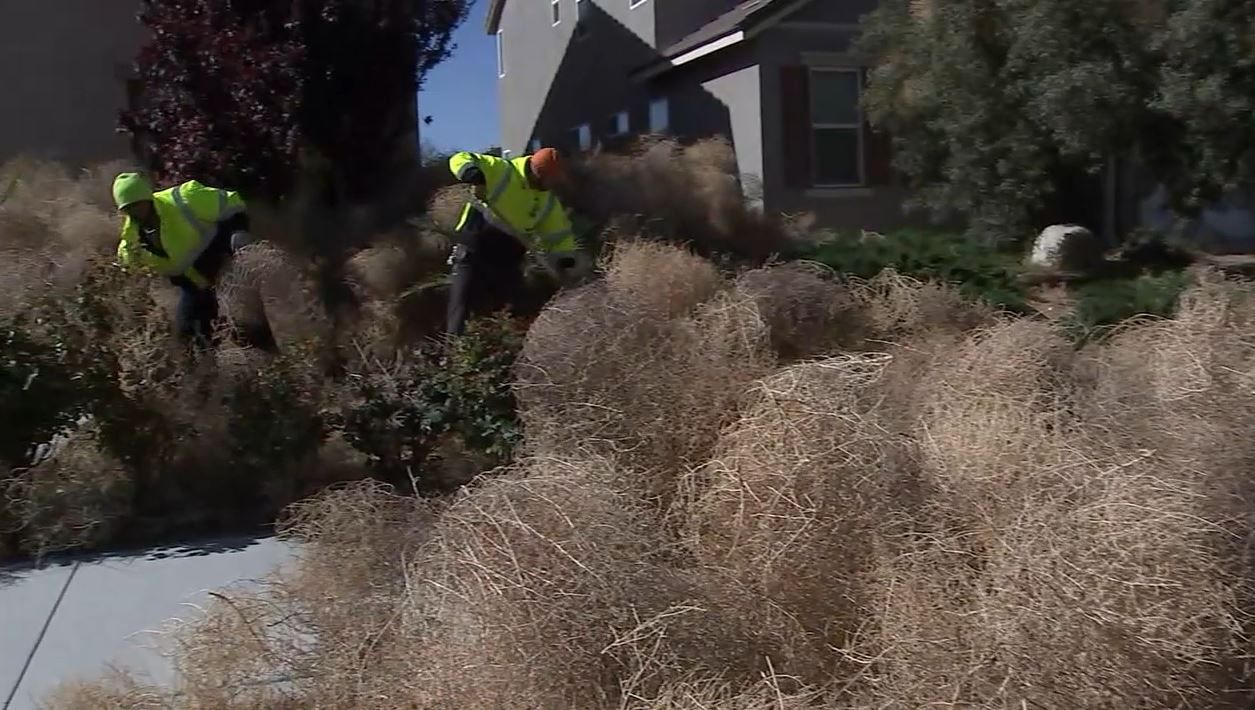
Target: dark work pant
x: 195, y: 319
x: 196, y: 315
x: 487, y: 276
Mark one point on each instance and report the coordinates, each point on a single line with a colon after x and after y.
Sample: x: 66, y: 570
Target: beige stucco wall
x: 62, y: 64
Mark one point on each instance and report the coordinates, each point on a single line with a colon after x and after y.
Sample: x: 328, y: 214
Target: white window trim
x: 633, y: 4
x: 555, y: 7
x: 862, y: 142
x: 500, y: 54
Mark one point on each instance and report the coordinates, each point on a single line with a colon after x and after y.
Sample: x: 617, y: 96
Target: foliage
x: 39, y: 398
x: 400, y: 415
x: 978, y: 271
x: 1107, y: 302
x: 274, y: 423
x: 218, y: 95
x: 232, y: 91
x: 1002, y: 111
x: 1208, y: 86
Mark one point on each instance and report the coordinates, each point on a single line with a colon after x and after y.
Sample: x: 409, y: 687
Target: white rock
x: 1068, y: 247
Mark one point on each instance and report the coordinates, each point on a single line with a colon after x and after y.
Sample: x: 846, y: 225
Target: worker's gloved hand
x: 459, y: 254
x: 570, y: 267
x: 474, y: 176
x: 239, y: 240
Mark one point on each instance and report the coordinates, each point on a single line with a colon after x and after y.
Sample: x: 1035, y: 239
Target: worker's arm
x: 225, y: 208
x: 468, y: 168
x: 214, y: 204
x: 127, y: 243
x: 124, y: 255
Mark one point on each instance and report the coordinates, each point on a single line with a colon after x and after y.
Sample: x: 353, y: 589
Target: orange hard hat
x: 547, y: 165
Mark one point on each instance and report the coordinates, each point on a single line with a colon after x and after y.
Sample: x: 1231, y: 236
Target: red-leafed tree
x: 230, y: 91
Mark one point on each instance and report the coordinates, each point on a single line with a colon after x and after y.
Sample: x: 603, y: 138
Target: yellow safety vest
x: 189, y: 215
x: 534, y: 217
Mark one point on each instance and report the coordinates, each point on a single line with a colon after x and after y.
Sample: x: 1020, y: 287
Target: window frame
x: 622, y: 123
x: 555, y: 12
x: 500, y: 53
x: 581, y: 22
x: 859, y: 128
x: 583, y: 131
x: 665, y: 102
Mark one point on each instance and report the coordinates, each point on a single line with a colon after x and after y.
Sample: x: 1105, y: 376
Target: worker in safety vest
x: 512, y: 212
x: 185, y: 233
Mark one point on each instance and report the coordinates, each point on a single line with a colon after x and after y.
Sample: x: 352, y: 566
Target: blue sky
x: 461, y: 94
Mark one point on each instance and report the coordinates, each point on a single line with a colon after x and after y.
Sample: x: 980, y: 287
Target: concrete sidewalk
x: 72, y: 619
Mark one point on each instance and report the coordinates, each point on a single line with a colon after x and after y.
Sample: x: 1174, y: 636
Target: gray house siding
x: 826, y: 43
x: 721, y: 96
x: 739, y: 92
x: 555, y: 80
x: 63, y: 66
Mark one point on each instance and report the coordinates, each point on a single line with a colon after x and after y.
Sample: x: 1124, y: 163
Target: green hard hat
x: 129, y: 188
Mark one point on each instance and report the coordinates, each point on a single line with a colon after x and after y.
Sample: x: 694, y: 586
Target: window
x: 555, y: 7
x: 534, y: 146
x: 582, y: 12
x: 619, y: 124
x: 659, y: 116
x: 583, y: 136
x: 500, y: 54
x: 837, y: 127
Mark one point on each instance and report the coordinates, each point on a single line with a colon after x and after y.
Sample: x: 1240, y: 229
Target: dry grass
x: 762, y: 490
x: 946, y: 508
x: 75, y: 498
x: 644, y: 366
x: 681, y: 193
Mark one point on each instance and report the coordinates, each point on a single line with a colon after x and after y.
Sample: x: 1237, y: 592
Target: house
x: 777, y: 77
x: 63, y: 77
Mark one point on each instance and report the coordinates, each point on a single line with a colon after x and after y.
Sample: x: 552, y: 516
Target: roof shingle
x: 727, y: 23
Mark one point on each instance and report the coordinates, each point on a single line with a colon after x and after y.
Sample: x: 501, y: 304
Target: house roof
x: 742, y: 16
x: 727, y: 22
x: 738, y: 18
x: 492, y: 20
x: 723, y: 31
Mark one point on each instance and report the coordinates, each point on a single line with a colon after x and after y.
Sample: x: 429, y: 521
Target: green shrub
x: 206, y: 446
x: 39, y: 395
x: 400, y: 416
x: 271, y: 421
x: 980, y: 272
x: 1107, y: 302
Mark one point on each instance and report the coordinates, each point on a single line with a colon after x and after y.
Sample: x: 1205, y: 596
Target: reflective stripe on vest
x: 499, y: 189
x: 205, y: 231
x: 547, y: 210
x: 491, y: 217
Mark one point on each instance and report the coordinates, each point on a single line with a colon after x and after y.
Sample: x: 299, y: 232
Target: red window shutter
x: 877, y: 152
x: 795, y: 105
